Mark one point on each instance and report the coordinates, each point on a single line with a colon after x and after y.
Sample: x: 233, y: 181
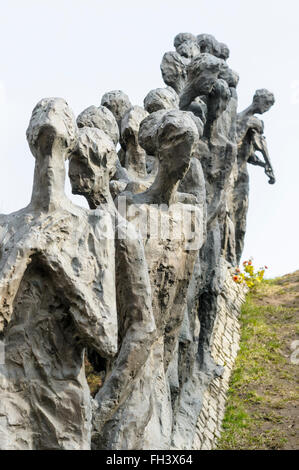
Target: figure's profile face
x: 203, y: 72
x: 224, y: 54
x: 263, y: 100
x: 264, y: 106
x: 92, y: 163
x: 206, y: 81
x: 177, y: 137
x: 81, y: 175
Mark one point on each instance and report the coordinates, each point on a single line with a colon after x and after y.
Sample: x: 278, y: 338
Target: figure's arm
x: 255, y: 160
x: 90, y: 286
x: 136, y: 324
x: 90, y: 295
x: 260, y: 144
x: 17, y: 247
x: 246, y: 124
x: 13, y: 264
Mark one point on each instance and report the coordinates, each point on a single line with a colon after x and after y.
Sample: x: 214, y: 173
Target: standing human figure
x: 117, y: 425
x: 250, y: 139
x: 58, y: 295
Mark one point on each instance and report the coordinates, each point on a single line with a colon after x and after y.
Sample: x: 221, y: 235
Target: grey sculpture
x: 250, y: 139
x: 173, y: 137
x: 207, y: 87
x: 118, y: 103
x: 57, y: 294
x: 161, y: 98
x: 134, y: 283
x: 135, y: 318
x: 101, y: 118
x: 135, y: 156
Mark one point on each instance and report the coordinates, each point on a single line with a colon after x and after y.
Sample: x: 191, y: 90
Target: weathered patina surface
x: 135, y: 282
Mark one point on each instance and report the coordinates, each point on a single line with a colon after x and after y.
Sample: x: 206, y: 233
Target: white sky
x: 79, y: 49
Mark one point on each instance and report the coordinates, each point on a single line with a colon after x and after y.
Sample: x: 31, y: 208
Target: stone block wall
x: 225, y: 346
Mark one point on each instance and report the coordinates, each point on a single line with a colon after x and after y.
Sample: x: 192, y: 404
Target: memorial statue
x: 133, y: 283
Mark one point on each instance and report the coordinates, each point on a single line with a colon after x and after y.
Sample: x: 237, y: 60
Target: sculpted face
x: 52, y: 124
x: 101, y: 118
x: 203, y: 72
x: 188, y: 49
x: 207, y: 43
x: 263, y: 100
x: 231, y: 77
x: 161, y: 98
x: 117, y: 102
x: 183, y: 37
x: 173, y: 68
x: 220, y: 97
x: 177, y: 137
x: 206, y: 82
x: 92, y: 163
x: 81, y: 175
x: 224, y: 54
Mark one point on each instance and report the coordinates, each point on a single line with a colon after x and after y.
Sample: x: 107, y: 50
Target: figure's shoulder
x: 247, y: 122
x: 12, y: 223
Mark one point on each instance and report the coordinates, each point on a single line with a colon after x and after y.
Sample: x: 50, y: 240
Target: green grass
x: 260, y: 383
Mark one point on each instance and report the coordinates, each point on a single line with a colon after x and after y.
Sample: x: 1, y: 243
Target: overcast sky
x: 78, y: 50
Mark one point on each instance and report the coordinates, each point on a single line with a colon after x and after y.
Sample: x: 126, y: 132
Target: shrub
x: 249, y: 276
